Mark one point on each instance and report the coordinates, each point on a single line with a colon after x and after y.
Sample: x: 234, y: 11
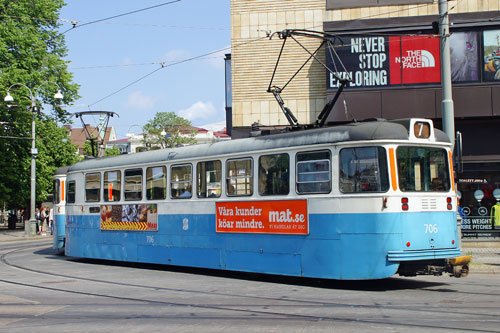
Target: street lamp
x: 29, y: 229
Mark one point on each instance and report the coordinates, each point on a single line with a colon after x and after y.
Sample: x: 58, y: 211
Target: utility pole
x: 448, y: 114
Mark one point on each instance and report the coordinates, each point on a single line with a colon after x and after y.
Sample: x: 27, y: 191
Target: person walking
x: 44, y: 220
x: 51, y: 220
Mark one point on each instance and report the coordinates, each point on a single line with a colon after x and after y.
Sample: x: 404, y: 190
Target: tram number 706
x: 431, y: 228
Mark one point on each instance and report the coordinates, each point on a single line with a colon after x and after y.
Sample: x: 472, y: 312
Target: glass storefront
x: 479, y: 195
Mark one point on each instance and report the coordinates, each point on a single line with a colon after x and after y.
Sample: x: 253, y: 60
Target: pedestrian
x: 37, y: 218
x: 51, y: 220
x: 44, y: 220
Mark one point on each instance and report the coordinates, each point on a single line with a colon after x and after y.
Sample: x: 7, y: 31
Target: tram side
x: 59, y: 209
x: 341, y: 203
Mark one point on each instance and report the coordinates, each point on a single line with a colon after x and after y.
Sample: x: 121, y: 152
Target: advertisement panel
x: 385, y: 61
x: 274, y: 217
x: 491, y: 51
x: 129, y: 217
x: 414, y: 59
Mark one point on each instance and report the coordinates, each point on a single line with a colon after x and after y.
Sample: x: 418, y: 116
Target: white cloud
x: 175, y: 55
x: 137, y: 100
x: 216, y: 60
x: 199, y: 111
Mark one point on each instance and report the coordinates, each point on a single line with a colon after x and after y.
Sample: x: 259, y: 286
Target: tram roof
x: 359, y: 131
x: 61, y: 171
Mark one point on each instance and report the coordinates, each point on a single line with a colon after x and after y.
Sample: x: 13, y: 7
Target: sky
x: 108, y: 57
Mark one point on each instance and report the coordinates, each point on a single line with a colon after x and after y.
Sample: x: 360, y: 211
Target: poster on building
x: 491, y: 52
x: 129, y: 217
x: 272, y: 217
x: 414, y: 59
x: 366, y: 59
x: 382, y: 61
x: 464, y: 56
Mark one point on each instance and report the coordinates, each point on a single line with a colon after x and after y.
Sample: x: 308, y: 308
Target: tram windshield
x: 423, y: 169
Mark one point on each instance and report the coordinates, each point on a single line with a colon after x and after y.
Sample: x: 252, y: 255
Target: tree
x: 112, y: 151
x: 176, y: 131
x: 31, y: 54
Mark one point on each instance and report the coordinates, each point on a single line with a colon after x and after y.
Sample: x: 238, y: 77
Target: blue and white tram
x: 364, y: 200
x: 59, y: 209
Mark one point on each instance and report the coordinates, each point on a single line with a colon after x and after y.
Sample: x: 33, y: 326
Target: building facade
x: 390, y: 51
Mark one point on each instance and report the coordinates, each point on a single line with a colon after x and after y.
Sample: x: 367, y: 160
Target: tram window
x: 92, y: 187
x: 274, y: 175
x: 156, y: 183
x: 56, y: 192
x: 363, y: 169
x: 313, y: 172
x: 423, y: 169
x: 209, y: 176
x: 71, y: 192
x: 112, y: 185
x: 181, y: 184
x: 133, y: 184
x: 239, y: 179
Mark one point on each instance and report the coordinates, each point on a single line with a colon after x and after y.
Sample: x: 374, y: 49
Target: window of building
x: 112, y: 185
x: 340, y: 4
x: 156, y: 183
x: 363, y: 169
x: 313, y: 173
x: 181, y: 184
x: 92, y: 187
x: 274, y: 174
x: 423, y: 169
x: 133, y: 184
x: 239, y: 177
x: 209, y: 178
x: 71, y: 191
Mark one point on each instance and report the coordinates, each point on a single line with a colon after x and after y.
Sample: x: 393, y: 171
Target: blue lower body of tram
x: 59, y: 233
x: 339, y: 246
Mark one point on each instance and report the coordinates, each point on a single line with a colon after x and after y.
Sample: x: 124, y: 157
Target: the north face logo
x: 416, y: 59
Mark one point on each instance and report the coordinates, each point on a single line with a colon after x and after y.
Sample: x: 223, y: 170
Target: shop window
x: 92, y: 187
x: 239, y: 177
x: 209, y: 179
x: 72, y: 191
x: 133, y: 184
x: 363, y: 169
x: 112, y: 185
x: 274, y: 175
x: 313, y: 172
x: 156, y: 183
x: 181, y: 184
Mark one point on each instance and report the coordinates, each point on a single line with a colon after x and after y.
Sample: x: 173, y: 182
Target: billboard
x: 273, y: 217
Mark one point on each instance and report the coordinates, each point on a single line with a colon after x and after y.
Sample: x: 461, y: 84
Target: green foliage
x: 32, y: 51
x: 178, y: 131
x: 112, y: 151
x: 32, y: 55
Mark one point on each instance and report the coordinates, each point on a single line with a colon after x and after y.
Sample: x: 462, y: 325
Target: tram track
x: 237, y: 308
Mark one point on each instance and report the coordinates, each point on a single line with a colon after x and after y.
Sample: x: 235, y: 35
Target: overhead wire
x: 75, y: 25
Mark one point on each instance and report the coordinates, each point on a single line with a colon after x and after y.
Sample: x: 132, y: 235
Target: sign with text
x: 274, y: 217
x: 382, y: 61
x: 129, y: 217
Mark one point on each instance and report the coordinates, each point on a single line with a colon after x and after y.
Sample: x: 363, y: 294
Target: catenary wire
x: 120, y: 15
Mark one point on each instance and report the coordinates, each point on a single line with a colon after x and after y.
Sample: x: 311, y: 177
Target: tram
x: 364, y: 200
x: 59, y: 209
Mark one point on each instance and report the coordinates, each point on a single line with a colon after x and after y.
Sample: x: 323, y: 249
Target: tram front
x: 430, y: 239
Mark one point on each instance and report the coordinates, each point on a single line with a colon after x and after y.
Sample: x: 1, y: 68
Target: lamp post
x: 29, y: 229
